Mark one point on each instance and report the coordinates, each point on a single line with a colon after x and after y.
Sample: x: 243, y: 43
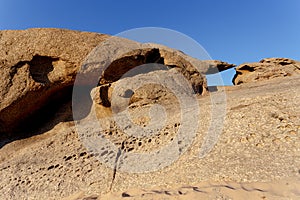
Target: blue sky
x: 235, y: 31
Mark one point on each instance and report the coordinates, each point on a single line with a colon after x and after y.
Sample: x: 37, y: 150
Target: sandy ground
x: 276, y: 190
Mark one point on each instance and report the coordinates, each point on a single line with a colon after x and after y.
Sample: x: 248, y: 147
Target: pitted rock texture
x: 122, y: 96
x: 259, y: 141
x: 265, y: 69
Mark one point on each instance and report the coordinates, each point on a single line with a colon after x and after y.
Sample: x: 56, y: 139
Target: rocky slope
x: 44, y: 153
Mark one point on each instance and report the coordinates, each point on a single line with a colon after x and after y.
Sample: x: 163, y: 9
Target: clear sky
x: 235, y: 31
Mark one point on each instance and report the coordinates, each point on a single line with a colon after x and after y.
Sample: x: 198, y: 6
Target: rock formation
x: 266, y: 69
x: 39, y: 66
x: 44, y: 152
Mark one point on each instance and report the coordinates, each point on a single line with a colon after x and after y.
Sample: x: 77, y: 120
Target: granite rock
x: 266, y: 69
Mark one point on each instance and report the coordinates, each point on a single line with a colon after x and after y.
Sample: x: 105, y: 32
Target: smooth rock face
x: 266, y: 69
x: 259, y: 141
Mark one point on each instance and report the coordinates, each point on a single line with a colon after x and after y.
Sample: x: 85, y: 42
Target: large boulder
x: 266, y: 69
x: 38, y: 69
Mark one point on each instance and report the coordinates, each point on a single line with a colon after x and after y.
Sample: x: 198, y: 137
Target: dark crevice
x: 14, y: 69
x: 104, y: 95
x: 237, y: 73
x: 14, y: 118
x: 153, y: 56
x: 124, y: 194
x: 247, y: 68
x: 198, y: 90
x: 123, y: 65
x: 120, y: 68
x: 57, y: 109
x: 58, y: 105
x: 115, y: 168
x: 40, y: 66
x: 283, y: 63
x: 12, y: 72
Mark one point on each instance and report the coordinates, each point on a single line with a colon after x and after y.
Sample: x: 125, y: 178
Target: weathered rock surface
x: 39, y: 66
x: 259, y: 141
x: 218, y: 66
x: 138, y: 94
x: 266, y: 69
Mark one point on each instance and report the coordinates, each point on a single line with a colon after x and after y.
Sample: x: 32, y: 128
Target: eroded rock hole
x: 40, y: 66
x: 57, y: 108
x: 121, y: 66
x: 153, y: 56
x: 128, y: 93
x: 58, y: 105
x: 104, y: 96
x: 247, y: 68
